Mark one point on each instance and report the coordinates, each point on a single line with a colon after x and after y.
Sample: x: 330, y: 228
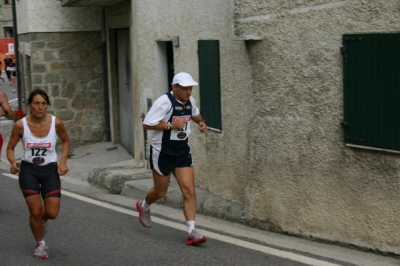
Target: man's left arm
x: 200, y: 121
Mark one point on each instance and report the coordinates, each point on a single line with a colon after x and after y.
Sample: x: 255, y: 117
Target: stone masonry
x: 68, y: 67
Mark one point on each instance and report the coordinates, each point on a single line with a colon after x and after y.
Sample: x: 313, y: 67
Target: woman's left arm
x: 63, y: 135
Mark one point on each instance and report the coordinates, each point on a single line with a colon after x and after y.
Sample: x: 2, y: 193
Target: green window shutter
x: 210, y: 82
x: 371, y: 80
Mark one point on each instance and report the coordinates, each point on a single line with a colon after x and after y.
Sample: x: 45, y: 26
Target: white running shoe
x: 40, y: 251
x: 144, y: 216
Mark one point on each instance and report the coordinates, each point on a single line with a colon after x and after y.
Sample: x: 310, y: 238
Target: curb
x: 134, y: 182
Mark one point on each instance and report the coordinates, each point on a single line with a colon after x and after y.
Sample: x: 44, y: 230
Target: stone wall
x: 68, y: 67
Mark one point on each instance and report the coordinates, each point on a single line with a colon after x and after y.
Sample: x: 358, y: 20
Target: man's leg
x: 185, y: 178
x: 158, y: 191
x: 160, y: 188
x: 8, y: 74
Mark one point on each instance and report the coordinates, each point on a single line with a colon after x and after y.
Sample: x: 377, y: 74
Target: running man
x: 170, y: 118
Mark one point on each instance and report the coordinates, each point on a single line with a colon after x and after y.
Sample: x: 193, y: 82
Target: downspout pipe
x: 107, y: 131
x: 16, y: 52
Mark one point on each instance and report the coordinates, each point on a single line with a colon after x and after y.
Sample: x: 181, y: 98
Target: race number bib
x: 38, y: 152
x: 181, y: 133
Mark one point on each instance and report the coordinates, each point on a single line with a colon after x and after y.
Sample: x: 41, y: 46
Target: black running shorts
x: 165, y: 164
x: 44, y: 180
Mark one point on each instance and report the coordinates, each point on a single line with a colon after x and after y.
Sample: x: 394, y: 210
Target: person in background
x: 13, y: 75
x: 170, y: 117
x: 1, y: 71
x: 7, y: 62
x: 39, y: 170
x: 6, y: 111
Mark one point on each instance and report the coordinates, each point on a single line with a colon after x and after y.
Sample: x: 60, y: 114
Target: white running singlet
x: 39, y: 151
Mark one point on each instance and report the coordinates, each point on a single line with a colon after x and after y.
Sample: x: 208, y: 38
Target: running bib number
x: 181, y: 133
x: 38, y: 152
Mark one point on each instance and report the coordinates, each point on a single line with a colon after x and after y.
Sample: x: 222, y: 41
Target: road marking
x: 222, y: 238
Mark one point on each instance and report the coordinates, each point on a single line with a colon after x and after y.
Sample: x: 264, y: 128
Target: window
x: 9, y: 32
x: 210, y: 84
x: 7, y: 2
x: 371, y: 80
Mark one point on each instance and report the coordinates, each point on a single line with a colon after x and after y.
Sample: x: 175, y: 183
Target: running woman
x: 39, y: 172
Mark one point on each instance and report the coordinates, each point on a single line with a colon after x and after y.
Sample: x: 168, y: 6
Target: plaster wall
x: 303, y: 179
x: 221, y: 159
x: 49, y: 16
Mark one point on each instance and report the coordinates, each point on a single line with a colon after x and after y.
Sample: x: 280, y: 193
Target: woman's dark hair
x: 38, y: 92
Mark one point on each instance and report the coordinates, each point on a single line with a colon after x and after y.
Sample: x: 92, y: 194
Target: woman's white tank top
x: 40, y: 151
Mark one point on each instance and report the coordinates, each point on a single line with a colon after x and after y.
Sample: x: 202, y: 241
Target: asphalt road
x: 88, y: 234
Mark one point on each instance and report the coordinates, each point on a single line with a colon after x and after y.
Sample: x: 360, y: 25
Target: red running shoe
x: 195, y: 238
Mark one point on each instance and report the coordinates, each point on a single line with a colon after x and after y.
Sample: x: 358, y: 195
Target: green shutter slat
x: 209, y: 79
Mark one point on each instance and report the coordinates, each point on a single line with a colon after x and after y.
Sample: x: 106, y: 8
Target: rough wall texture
x: 303, y: 180
x: 49, y: 16
x: 68, y: 67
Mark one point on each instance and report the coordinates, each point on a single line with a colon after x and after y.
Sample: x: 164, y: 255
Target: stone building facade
x: 280, y: 152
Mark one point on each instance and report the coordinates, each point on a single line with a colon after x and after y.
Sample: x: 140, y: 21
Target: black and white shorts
x: 165, y: 164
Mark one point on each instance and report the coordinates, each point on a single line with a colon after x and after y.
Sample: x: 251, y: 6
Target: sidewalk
x: 110, y: 167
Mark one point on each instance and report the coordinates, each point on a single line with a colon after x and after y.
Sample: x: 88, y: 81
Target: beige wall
x: 303, y: 179
x: 49, y: 16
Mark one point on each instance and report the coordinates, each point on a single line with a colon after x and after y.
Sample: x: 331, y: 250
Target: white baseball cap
x: 184, y: 79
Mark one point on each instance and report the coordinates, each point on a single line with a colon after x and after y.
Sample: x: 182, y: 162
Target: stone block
x: 51, y: 55
x: 59, y: 104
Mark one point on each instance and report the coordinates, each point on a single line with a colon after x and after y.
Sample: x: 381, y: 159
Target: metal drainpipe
x: 16, y: 52
x: 107, y: 131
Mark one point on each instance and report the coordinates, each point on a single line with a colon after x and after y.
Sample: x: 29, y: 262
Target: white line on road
x: 222, y: 238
